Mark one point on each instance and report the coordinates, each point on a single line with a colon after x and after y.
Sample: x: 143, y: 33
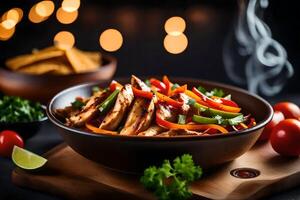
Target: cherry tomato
x: 290, y: 110
x: 277, y: 117
x: 285, y: 137
x: 8, y: 139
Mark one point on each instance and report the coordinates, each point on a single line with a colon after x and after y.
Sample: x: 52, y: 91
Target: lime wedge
x: 26, y: 159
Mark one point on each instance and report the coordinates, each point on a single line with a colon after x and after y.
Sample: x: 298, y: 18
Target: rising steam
x: 263, y: 60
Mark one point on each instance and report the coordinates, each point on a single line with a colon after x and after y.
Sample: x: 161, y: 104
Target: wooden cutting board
x: 70, y: 175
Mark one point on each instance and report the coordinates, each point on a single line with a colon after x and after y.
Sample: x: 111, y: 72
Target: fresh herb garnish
x: 147, y: 81
x: 215, y: 92
x: 174, y: 86
x: 181, y: 119
x: 77, y: 104
x: 236, y: 120
x: 191, y: 102
x: 201, y: 89
x: 15, y: 109
x: 170, y: 182
x: 95, y: 89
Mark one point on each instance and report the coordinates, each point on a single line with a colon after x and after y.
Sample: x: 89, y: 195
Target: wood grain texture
x: 70, y: 175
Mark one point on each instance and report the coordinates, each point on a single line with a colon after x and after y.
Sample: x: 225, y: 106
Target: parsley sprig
x: 170, y: 181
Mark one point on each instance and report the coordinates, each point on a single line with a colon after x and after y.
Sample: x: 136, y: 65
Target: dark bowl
x: 24, y: 129
x: 132, y: 154
x: 42, y: 88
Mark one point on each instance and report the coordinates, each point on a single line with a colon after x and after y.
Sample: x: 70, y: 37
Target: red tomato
x: 285, y: 137
x: 290, y: 110
x: 8, y: 139
x: 277, y: 117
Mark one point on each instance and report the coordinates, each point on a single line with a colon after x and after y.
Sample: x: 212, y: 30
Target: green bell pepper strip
x: 204, y: 120
x: 213, y: 112
x: 207, y: 120
x: 108, y: 102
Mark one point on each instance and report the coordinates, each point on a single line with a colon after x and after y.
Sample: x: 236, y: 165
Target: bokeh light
x: 66, y: 17
x: 64, y: 40
x: 15, y: 14
x: 111, y: 40
x: 70, y: 5
x: 175, y: 25
x: 175, y: 44
x: 44, y: 8
x: 34, y: 17
x: 5, y: 33
x: 41, y: 11
x: 11, y: 18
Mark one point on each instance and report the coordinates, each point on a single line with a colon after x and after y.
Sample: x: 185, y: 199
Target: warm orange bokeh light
x: 66, y: 17
x: 175, y: 26
x: 70, y: 5
x: 111, y: 40
x: 34, y: 17
x: 175, y: 44
x: 11, y: 18
x: 5, y: 34
x: 64, y: 40
x: 44, y: 8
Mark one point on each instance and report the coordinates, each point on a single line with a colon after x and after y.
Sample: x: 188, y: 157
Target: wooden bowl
x: 132, y: 154
x: 42, y: 88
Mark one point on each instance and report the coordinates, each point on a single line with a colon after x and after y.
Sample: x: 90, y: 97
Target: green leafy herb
x: 170, y: 182
x: 95, y: 89
x: 191, y: 102
x: 219, y: 118
x: 181, y: 119
x: 236, y: 120
x: 201, y: 89
x: 147, y: 81
x: 77, y: 104
x: 174, y: 86
x: 215, y: 92
x: 15, y: 109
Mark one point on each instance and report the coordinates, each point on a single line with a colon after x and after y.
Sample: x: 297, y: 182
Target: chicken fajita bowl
x: 129, y: 124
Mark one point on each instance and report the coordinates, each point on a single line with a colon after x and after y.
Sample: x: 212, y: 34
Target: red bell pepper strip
x: 226, y: 102
x: 178, y: 90
x: 194, y: 127
x: 168, y: 85
x: 168, y: 100
x: 99, y: 130
x: 141, y: 93
x: 215, y: 104
x: 115, y: 85
x: 158, y: 84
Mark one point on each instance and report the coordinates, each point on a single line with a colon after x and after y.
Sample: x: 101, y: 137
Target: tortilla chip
x: 28, y: 59
x: 55, y: 66
x: 94, y: 56
x: 80, y: 62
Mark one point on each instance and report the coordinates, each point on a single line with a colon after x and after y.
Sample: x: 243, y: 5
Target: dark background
x: 141, y: 23
x: 142, y: 26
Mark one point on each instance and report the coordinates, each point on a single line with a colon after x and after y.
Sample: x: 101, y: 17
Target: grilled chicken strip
x: 152, y: 131
x: 141, y: 113
x: 140, y: 117
x: 116, y: 114
x: 88, y: 111
x: 138, y: 83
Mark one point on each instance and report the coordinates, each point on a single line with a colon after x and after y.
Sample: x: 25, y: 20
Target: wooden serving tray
x: 70, y: 175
